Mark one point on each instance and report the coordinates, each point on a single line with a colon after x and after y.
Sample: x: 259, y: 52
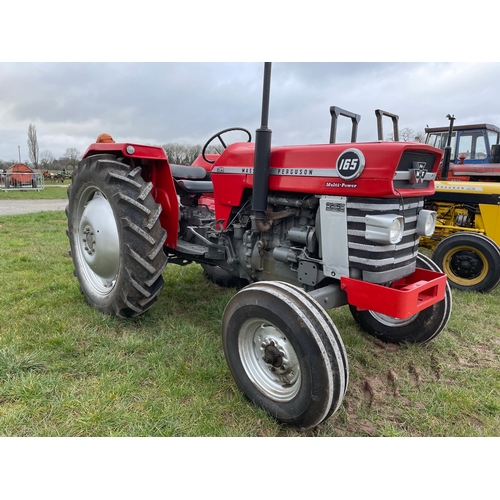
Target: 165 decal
x: 350, y: 164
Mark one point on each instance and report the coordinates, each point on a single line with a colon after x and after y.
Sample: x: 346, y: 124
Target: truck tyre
x: 470, y: 260
x: 116, y: 240
x: 285, y: 353
x: 417, y: 329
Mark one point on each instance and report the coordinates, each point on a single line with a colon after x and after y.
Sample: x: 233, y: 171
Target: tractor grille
x: 382, y: 263
x: 407, y: 162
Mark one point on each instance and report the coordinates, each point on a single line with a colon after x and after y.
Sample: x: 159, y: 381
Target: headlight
x: 397, y: 227
x: 426, y: 222
x: 385, y: 228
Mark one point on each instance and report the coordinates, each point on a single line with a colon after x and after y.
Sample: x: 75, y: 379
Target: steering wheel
x: 218, y: 136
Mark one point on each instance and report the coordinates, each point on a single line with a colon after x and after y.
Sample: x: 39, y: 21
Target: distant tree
x: 181, y: 154
x: 73, y: 156
x: 33, y: 149
x: 46, y: 159
x: 4, y: 165
x: 419, y: 137
x: 61, y: 163
x: 57, y: 165
x: 408, y: 135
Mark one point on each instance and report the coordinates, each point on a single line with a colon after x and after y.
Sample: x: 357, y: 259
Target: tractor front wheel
x: 116, y: 240
x: 419, y: 328
x: 470, y: 260
x: 285, y: 353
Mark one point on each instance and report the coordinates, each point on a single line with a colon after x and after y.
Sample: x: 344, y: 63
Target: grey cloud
x: 155, y: 103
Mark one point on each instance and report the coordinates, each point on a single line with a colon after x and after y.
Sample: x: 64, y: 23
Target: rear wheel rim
x: 97, y: 241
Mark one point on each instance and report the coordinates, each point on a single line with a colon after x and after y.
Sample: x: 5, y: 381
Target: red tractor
x: 299, y: 229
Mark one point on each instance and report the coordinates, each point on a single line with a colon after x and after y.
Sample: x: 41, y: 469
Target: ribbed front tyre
x: 285, y: 353
x: 116, y: 240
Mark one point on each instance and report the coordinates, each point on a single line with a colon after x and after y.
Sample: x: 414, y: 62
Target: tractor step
x: 191, y: 248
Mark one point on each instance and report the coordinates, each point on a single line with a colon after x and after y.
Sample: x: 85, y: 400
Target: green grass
x: 66, y: 370
x: 55, y: 192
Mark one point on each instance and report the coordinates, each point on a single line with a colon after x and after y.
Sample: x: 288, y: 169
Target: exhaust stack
x: 447, y: 150
x: 262, y: 159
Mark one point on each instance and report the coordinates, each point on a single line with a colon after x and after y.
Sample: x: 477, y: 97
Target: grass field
x: 66, y: 370
x: 53, y: 192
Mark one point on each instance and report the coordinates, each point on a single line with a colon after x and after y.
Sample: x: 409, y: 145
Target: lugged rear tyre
x: 116, y: 240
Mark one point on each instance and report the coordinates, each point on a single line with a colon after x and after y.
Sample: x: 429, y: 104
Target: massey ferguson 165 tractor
x: 299, y: 229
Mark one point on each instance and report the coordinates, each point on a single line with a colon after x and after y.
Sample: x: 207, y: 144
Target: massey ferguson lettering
x: 299, y: 172
x: 294, y: 171
x: 274, y: 171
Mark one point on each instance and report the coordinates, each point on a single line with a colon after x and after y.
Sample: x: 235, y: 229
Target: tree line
x: 180, y: 154
x: 408, y: 135
x: 47, y: 162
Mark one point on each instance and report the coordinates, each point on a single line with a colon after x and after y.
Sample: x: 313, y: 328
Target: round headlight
x: 426, y: 222
x: 384, y: 228
x: 396, y: 233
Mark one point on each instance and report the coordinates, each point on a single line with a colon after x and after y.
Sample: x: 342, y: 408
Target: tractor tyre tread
x: 312, y: 334
x: 141, y: 261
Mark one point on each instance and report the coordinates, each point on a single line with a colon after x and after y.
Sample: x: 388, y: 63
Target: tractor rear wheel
x: 419, y: 328
x: 285, y: 353
x: 116, y: 240
x: 470, y: 260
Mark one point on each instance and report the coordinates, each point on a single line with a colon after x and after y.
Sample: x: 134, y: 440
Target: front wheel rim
x: 392, y: 321
x: 269, y: 360
x: 97, y: 242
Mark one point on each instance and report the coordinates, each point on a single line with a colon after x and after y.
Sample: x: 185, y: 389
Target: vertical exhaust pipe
x: 447, y: 150
x: 262, y: 159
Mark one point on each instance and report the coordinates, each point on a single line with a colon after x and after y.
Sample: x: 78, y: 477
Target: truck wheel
x: 470, y: 260
x: 285, y: 353
x: 116, y: 240
x: 419, y: 328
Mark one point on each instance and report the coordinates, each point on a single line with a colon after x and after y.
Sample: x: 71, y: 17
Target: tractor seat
x: 195, y: 187
x: 187, y: 172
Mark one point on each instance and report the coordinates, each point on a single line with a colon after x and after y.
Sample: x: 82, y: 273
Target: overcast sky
x: 71, y: 103
x: 155, y: 103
